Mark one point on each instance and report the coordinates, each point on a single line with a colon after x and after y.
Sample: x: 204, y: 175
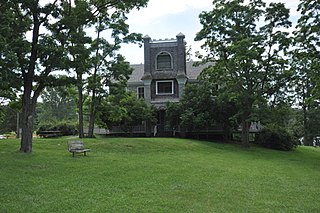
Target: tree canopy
x: 246, y: 43
x: 306, y: 65
x: 38, y: 37
x: 125, y: 110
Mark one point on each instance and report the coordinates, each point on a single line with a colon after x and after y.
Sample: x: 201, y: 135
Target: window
x: 164, y: 87
x: 164, y: 61
x: 140, y: 92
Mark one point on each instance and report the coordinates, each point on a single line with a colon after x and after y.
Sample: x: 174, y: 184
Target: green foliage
x: 306, y: 64
x: 195, y: 111
x: 248, y: 60
x: 200, y: 109
x: 143, y: 175
x: 58, y: 104
x: 126, y: 110
x: 282, y: 115
x: 313, y: 122
x: 173, y: 114
x: 226, y: 113
x: 66, y: 128
x: 276, y: 137
x: 59, y: 41
x: 8, y: 120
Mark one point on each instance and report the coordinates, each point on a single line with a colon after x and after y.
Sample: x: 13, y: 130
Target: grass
x: 157, y: 175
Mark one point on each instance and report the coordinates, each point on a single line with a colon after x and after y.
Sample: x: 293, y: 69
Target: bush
x: 64, y: 128
x: 276, y: 138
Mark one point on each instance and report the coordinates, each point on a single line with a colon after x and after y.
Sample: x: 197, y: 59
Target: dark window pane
x: 165, y: 88
x: 141, y: 92
x: 164, y: 61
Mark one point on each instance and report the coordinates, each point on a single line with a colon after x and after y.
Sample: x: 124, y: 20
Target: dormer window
x: 164, y: 61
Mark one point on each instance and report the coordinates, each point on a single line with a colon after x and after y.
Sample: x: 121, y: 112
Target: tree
x: 58, y: 104
x: 226, y: 114
x: 306, y: 64
x: 97, y: 57
x: 30, y: 59
x: 54, y: 28
x: 200, y: 109
x: 125, y: 110
x: 104, y: 74
x: 8, y: 121
x: 197, y: 107
x: 248, y: 61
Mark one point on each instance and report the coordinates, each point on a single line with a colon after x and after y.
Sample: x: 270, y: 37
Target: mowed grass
x: 157, y: 175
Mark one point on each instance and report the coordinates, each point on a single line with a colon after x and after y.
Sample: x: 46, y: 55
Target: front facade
x: 162, y: 77
x: 164, y: 74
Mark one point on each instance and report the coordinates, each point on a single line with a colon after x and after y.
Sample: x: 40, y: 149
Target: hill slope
x: 157, y: 175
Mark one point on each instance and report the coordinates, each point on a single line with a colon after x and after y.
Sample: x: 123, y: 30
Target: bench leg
x: 85, y: 153
x: 72, y: 154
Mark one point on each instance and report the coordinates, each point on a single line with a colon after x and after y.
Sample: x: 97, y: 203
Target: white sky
x: 166, y: 18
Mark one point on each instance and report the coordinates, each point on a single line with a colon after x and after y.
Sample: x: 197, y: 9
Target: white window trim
x: 172, y: 87
x: 138, y: 92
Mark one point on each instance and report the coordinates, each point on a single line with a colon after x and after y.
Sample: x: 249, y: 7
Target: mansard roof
x: 192, y: 71
x: 137, y: 73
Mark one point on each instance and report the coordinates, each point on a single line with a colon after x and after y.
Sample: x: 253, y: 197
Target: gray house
x: 164, y: 74
x: 162, y: 79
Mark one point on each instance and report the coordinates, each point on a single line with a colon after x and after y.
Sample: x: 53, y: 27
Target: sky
x: 163, y: 19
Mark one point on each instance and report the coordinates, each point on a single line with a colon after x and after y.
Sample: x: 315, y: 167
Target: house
x: 163, y: 76
x: 162, y: 79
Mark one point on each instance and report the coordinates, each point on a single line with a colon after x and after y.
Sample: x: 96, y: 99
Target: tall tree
x: 36, y: 35
x: 108, y: 65
x: 95, y: 57
x: 247, y: 54
x: 306, y: 63
x: 33, y: 56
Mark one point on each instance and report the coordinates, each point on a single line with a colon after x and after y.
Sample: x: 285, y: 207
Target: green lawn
x: 157, y: 175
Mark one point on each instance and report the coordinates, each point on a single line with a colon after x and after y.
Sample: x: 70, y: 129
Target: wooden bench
x: 77, y: 147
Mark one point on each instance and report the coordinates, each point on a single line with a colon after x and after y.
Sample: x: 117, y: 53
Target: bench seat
x: 77, y: 147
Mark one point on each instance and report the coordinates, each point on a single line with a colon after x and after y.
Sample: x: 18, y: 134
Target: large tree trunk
x: 246, y: 123
x: 28, y: 110
x: 92, y: 114
x: 307, y: 137
x: 26, y: 138
x: 93, y: 106
x: 245, y: 133
x: 29, y: 103
x: 27, y: 125
x: 80, y: 105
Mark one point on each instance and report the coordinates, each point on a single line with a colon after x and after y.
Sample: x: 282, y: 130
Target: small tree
x: 125, y: 110
x: 197, y: 107
x: 201, y: 109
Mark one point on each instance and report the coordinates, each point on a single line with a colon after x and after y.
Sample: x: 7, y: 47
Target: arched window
x: 164, y: 61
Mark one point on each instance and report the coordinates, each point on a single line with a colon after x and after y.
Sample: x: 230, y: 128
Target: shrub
x: 276, y: 138
x: 64, y: 128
